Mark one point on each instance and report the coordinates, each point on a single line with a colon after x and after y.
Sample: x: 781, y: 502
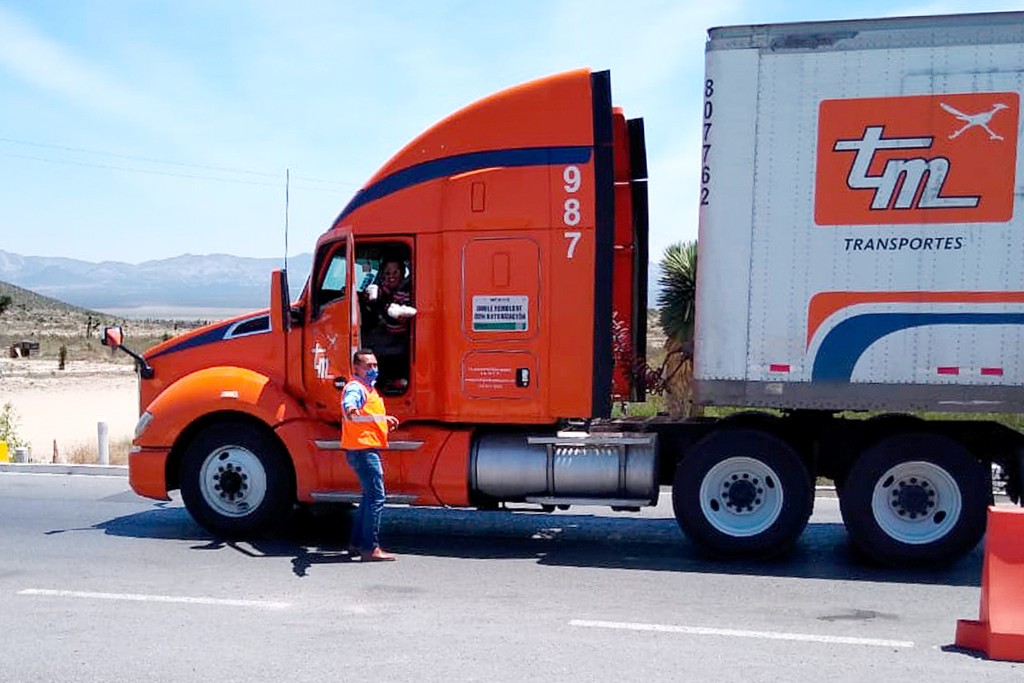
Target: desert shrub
x: 9, y: 426
x: 86, y: 453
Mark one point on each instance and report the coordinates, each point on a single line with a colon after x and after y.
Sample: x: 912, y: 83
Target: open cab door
x: 331, y: 333
x: 353, y: 328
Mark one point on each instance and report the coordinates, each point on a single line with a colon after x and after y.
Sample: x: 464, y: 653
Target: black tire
x: 757, y: 420
x: 742, y: 493
x: 896, y: 421
x: 236, y: 481
x: 885, y: 425
x: 915, y: 499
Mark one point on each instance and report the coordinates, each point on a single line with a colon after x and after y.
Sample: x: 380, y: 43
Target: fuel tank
x: 569, y: 467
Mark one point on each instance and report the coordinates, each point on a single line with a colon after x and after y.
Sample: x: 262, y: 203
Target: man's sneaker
x: 377, y: 555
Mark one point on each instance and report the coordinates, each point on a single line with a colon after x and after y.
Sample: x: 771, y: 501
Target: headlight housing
x: 142, y: 424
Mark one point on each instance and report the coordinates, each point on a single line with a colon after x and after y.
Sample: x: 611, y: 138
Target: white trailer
x: 860, y: 249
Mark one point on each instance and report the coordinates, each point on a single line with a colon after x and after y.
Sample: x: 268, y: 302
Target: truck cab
x: 516, y: 228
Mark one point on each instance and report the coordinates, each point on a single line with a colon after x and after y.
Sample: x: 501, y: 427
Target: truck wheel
x: 915, y: 499
x: 235, y: 480
x: 742, y: 493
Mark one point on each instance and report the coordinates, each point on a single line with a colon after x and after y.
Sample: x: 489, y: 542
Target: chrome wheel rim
x: 741, y: 497
x: 232, y: 481
x: 916, y: 502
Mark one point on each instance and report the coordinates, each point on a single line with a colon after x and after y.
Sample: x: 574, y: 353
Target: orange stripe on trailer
x: 824, y: 304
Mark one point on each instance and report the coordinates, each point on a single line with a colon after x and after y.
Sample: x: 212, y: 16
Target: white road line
x: 135, y: 597
x: 766, y: 635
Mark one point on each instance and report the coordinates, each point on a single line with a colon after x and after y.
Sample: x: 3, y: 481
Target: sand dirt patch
x: 66, y: 405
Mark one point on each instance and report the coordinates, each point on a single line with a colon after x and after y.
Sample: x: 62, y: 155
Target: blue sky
x: 143, y: 129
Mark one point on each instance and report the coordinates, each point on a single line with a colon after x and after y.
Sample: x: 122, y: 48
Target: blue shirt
x: 354, y: 397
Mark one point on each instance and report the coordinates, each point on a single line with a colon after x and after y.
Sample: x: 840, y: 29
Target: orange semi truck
x: 829, y: 281
x: 521, y: 221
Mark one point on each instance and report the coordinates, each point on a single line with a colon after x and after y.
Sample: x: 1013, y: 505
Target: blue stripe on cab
x: 212, y: 335
x: 463, y: 163
x: 845, y: 343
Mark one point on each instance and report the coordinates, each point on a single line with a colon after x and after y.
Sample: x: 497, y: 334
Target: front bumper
x: 147, y: 472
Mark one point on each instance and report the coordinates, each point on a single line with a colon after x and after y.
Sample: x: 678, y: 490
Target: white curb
x: 61, y: 468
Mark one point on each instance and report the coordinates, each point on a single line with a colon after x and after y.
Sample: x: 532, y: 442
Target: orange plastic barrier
x: 999, y: 630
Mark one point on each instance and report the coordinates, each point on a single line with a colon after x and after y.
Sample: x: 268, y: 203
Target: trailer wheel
x: 915, y: 499
x: 742, y: 493
x: 235, y: 480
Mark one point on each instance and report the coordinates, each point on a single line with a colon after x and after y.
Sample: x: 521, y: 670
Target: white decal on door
x: 320, y: 361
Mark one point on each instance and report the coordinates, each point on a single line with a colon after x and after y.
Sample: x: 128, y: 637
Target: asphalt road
x: 97, y: 584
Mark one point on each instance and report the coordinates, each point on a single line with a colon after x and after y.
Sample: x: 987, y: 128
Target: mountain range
x: 184, y: 282
x: 187, y: 281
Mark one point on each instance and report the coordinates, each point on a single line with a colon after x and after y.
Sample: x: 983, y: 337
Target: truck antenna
x: 287, y: 179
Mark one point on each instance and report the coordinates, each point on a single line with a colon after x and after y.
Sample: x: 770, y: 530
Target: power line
x: 166, y: 162
x: 135, y: 158
x: 190, y: 176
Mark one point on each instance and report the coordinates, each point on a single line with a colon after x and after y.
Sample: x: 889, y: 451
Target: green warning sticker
x: 501, y: 313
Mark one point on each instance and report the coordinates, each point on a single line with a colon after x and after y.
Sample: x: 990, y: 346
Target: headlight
x: 142, y: 424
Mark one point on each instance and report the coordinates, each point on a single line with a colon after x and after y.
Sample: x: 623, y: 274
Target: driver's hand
x: 392, y: 423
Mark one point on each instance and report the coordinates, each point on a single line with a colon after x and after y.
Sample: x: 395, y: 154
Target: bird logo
x: 979, y: 120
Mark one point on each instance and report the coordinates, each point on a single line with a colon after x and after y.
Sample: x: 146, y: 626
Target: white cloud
x: 48, y: 65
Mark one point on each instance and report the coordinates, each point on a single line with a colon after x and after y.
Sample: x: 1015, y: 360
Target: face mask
x: 371, y: 376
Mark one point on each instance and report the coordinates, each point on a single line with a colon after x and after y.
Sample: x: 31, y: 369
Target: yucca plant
x: 677, y: 303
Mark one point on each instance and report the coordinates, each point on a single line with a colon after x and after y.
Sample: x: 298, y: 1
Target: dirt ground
x: 63, y: 407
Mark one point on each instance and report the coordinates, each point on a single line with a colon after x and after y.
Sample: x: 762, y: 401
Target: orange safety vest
x: 368, y: 428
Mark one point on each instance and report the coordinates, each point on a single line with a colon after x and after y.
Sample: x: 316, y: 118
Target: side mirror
x: 113, y: 337
x: 280, y: 308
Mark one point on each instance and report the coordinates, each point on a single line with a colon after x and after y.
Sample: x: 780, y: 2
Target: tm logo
x: 321, y: 364
x: 917, y: 159
x: 907, y: 175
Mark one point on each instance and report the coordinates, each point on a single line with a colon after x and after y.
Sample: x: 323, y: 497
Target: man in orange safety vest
x: 364, y: 431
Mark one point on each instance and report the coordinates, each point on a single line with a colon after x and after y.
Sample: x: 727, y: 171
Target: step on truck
x: 860, y: 265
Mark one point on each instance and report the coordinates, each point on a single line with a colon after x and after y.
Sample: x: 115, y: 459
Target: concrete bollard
x: 21, y: 454
x: 103, y: 433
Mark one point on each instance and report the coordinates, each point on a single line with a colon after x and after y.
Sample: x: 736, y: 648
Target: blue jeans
x: 366, y: 524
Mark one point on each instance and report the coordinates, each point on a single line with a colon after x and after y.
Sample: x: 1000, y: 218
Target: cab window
x: 384, y: 286
x: 332, y: 284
